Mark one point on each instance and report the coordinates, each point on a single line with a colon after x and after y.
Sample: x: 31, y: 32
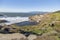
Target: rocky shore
x: 48, y: 28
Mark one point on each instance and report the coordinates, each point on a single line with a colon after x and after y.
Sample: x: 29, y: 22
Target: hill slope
x: 48, y: 27
x: 49, y: 24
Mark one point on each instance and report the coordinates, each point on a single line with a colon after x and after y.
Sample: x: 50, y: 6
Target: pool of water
x: 24, y: 23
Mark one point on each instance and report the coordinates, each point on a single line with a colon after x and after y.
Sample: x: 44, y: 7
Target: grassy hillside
x: 48, y: 25
x: 50, y: 22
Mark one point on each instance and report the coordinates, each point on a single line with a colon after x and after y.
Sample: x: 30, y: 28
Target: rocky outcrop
x: 8, y: 29
x: 19, y: 36
x: 31, y: 37
x: 47, y: 38
x: 15, y: 36
x: 38, y: 18
x: 3, y: 21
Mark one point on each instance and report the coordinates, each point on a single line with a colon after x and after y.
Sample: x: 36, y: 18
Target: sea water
x: 12, y: 20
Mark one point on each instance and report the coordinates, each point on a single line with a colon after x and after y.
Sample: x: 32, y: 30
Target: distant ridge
x: 57, y: 11
x: 22, y: 14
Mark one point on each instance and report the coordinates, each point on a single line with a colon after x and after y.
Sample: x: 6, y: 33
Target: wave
x: 12, y: 20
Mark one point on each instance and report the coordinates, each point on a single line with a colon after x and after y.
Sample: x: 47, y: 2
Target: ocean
x: 20, y: 19
x: 18, y: 14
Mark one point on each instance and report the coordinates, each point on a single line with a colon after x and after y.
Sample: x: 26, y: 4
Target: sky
x: 29, y: 5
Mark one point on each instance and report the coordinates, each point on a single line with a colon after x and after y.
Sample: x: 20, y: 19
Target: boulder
x: 31, y: 37
x: 14, y: 36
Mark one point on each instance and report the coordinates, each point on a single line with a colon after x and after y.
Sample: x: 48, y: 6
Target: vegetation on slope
x: 48, y: 25
x: 50, y: 22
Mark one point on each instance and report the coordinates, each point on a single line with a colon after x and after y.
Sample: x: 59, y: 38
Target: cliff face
x: 15, y: 36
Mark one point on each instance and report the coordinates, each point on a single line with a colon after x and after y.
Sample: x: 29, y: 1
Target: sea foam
x: 12, y: 20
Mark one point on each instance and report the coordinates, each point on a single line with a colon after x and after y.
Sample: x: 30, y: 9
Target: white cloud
x: 12, y: 10
x: 25, y: 10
